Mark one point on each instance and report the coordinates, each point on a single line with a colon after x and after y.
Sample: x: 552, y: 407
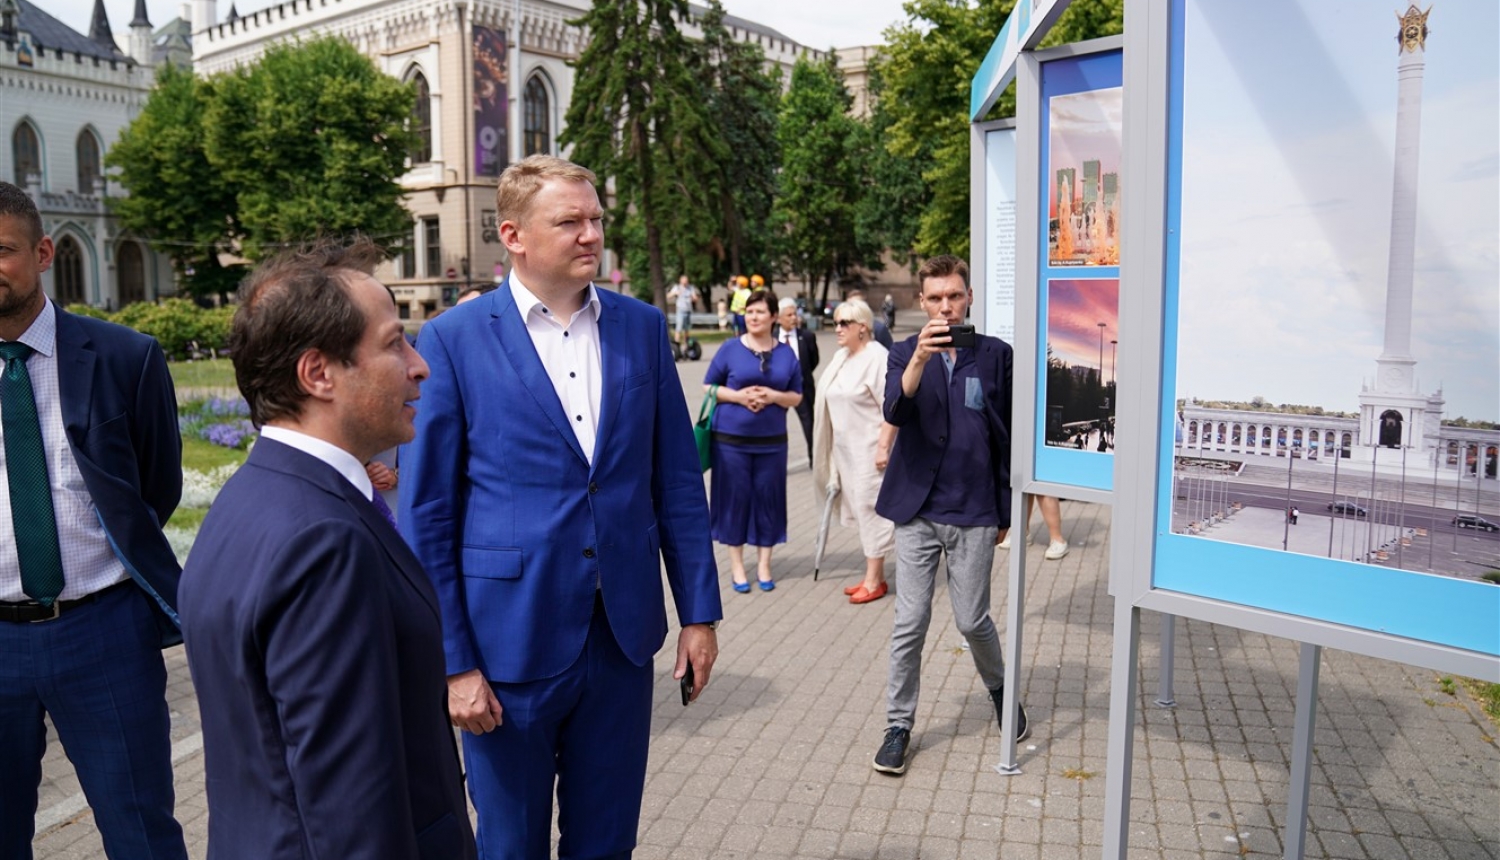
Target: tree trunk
x: 655, y: 265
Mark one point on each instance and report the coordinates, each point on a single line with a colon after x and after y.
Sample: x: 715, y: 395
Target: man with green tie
x: 92, y: 466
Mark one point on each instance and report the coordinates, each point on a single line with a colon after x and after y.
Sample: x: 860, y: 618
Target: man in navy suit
x: 805, y: 345
x: 92, y: 467
x: 947, y: 489
x: 313, y: 635
x: 553, y: 473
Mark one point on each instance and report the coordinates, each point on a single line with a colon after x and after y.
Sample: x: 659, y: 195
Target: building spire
x: 234, y: 14
x: 99, y: 31
x: 140, y: 19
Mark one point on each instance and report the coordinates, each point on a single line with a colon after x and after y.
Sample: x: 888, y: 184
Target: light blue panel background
x: 1068, y: 466
x: 1437, y: 609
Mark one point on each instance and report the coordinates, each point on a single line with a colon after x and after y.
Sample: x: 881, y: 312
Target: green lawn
x: 187, y: 518
x: 215, y: 373
x: 206, y: 456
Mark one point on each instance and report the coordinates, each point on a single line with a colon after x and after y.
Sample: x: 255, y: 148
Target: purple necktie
x: 385, y: 510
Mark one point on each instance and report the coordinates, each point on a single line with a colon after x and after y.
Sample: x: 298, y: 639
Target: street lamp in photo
x: 1113, y: 354
x: 1101, y: 354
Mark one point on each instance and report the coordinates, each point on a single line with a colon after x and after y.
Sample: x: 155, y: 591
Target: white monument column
x: 1397, y: 353
x: 1395, y: 388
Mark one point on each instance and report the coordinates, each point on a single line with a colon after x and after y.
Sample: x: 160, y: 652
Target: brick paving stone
x: 774, y: 760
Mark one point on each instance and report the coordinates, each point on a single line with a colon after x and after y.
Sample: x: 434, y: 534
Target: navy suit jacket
x: 316, y: 649
x: 924, y: 433
x: 120, y: 414
x: 514, y: 526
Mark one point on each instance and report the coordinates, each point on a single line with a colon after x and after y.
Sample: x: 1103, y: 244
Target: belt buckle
x: 56, y: 611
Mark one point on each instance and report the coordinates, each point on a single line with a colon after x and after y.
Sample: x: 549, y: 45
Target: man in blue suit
x: 92, y: 467
x: 947, y: 489
x: 313, y: 635
x: 553, y: 472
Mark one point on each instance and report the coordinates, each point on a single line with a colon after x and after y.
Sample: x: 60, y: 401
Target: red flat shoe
x: 855, y: 588
x: 864, y: 595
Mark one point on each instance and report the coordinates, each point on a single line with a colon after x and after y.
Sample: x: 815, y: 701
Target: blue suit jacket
x: 925, y: 435
x: 316, y: 649
x: 120, y: 413
x: 517, y: 530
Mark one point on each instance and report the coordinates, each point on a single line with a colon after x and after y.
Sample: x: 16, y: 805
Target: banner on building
x: 491, y: 101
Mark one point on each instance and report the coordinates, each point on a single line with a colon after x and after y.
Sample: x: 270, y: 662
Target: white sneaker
x: 1005, y: 544
x: 1056, y: 550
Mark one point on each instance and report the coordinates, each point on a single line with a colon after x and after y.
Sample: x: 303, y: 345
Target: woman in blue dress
x: 759, y: 379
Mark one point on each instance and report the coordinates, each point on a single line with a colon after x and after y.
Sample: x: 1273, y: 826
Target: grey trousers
x: 971, y: 552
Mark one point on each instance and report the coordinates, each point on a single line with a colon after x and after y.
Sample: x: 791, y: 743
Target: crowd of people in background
x: 481, y: 561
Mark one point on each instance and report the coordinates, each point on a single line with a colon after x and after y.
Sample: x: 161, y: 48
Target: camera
x: 961, y: 335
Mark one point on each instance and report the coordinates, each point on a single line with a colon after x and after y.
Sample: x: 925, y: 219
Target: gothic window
x: 421, y: 121
x: 88, y: 162
x: 538, y: 118
x: 1192, y: 432
x: 1235, y: 436
x: 67, y: 271
x: 27, y: 152
x: 1250, y: 437
x: 131, y: 267
x: 1390, y: 429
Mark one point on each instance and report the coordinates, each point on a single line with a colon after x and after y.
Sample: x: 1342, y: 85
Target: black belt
x: 31, y: 611
x: 779, y: 439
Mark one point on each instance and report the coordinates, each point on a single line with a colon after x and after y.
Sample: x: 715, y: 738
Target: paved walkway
x: 774, y: 760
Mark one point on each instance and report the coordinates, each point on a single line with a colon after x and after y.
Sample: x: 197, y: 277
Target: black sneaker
x: 891, y: 758
x: 1023, y: 727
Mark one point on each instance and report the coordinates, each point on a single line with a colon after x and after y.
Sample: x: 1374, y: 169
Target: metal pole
x: 1432, y: 529
x: 1338, y: 455
x: 1401, y: 513
x: 1014, y: 616
x: 1305, y: 720
x: 1120, y: 738
x: 1370, y: 514
x: 1164, y: 697
x: 1286, y: 513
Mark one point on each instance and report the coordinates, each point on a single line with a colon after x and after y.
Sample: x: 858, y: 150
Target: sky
x: 824, y: 24
x: 1288, y: 159
x: 1074, y: 310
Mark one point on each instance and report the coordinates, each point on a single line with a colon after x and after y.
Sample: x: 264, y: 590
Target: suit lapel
x: 515, y: 341
x: 75, y: 376
x: 613, y: 342
x: 273, y: 455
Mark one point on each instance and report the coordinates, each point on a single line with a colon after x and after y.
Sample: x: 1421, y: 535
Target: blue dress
x: 747, y: 490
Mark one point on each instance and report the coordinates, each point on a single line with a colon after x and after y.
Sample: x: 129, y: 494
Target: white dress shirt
x: 342, y: 461
x: 89, y: 564
x: 789, y: 337
x: 570, y: 355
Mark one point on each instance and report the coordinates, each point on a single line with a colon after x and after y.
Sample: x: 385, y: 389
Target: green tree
x: 889, y: 211
x: 177, y: 201
x: 743, y: 98
x: 927, y: 67
x: 639, y: 118
x: 312, y: 139
x: 815, y: 207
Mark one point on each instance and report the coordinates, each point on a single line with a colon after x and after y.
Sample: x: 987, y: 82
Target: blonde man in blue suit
x: 552, y: 474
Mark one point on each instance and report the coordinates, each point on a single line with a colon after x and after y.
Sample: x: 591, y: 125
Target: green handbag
x: 701, y: 430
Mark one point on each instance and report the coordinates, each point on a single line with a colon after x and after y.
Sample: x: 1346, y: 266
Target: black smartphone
x: 961, y: 335
x: 687, y: 685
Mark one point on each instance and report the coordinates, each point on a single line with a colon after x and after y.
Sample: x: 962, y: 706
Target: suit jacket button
x: 593, y: 488
x: 588, y: 552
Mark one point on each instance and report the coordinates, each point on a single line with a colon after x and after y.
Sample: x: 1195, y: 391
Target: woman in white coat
x: 852, y: 442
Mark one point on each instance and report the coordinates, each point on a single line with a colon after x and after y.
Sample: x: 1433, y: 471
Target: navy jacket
x: 316, y: 649
x: 120, y: 413
x: 925, y: 433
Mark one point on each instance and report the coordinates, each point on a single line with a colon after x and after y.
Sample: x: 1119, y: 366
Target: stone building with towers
x: 493, y: 82
x: 66, y: 96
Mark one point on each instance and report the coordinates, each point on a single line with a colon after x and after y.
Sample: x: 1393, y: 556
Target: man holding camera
x: 947, y: 488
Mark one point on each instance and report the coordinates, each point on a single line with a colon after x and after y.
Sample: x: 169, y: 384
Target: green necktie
x: 31, y: 511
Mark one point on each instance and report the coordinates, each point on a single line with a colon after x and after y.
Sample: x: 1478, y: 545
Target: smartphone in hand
x: 687, y: 685
x: 961, y: 335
